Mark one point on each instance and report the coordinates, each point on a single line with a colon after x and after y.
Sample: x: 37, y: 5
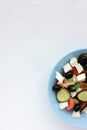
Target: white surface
x: 34, y: 35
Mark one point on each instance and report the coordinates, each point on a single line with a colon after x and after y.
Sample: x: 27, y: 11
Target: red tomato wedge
x: 75, y: 71
x: 83, y: 104
x: 83, y: 88
x: 63, y: 85
x: 71, y: 104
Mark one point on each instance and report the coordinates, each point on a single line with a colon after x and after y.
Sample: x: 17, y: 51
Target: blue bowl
x: 63, y: 114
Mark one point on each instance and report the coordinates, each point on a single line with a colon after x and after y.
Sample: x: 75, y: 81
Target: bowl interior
x: 66, y: 116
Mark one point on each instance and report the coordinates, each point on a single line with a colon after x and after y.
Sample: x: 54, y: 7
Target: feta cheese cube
x: 73, y: 94
x: 78, y: 90
x: 76, y: 114
x: 63, y: 105
x: 81, y: 77
x: 59, y: 77
x: 67, y: 68
x: 79, y: 68
x: 73, y: 62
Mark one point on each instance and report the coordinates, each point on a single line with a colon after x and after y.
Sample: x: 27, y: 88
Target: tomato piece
x: 82, y: 82
x: 83, y: 104
x: 63, y: 85
x: 83, y: 88
x: 71, y: 104
x: 75, y: 71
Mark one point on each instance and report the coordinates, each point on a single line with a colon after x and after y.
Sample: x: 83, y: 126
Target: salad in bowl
x: 68, y: 88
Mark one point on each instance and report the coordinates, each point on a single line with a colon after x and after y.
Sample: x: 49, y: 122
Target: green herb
x: 76, y: 86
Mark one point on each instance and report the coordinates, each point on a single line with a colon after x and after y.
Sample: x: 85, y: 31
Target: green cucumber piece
x: 82, y: 96
x: 84, y: 54
x: 63, y: 95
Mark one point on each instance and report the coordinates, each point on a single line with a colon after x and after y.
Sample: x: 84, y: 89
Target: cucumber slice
x: 63, y: 95
x: 82, y: 96
x: 84, y: 54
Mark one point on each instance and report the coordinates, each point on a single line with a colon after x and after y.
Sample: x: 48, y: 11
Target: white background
x: 34, y: 35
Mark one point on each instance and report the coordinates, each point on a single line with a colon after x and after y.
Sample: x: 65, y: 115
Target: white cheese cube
x: 79, y: 68
x: 63, y: 105
x: 67, y: 68
x: 73, y: 62
x: 81, y: 77
x: 76, y: 114
x: 73, y: 94
x: 59, y: 77
x: 78, y: 90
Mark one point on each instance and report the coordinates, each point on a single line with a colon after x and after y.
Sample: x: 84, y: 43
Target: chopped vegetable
x: 78, y: 85
x: 63, y: 95
x: 75, y: 71
x: 83, y: 105
x: 83, y: 87
x: 82, y: 96
x: 63, y: 85
x: 84, y: 54
x: 71, y: 104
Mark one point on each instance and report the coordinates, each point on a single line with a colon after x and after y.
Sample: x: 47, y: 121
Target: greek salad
x: 71, y: 86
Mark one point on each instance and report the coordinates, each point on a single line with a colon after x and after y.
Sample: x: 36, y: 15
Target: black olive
x: 70, y: 88
x: 77, y: 107
x: 56, y: 88
x: 69, y: 75
x: 82, y: 60
x: 85, y: 66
